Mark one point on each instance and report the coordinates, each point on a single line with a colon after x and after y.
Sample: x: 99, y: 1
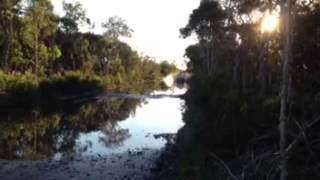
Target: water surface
x: 112, y: 124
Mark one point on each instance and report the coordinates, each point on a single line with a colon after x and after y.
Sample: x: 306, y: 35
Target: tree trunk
x: 236, y: 69
x: 36, y: 57
x: 263, y: 69
x: 286, y: 84
x: 244, y: 74
x: 6, y: 54
x: 8, y: 43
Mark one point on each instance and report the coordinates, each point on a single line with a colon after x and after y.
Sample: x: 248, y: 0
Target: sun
x: 269, y: 22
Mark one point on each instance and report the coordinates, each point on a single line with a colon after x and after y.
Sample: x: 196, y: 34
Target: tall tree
x: 208, y: 22
x: 9, y: 10
x: 74, y: 18
x: 40, y: 27
x: 115, y: 28
x: 286, y: 9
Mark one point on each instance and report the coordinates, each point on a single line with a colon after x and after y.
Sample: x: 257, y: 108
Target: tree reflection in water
x: 42, y: 133
x: 114, y: 136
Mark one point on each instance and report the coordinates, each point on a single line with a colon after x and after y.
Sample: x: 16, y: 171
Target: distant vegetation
x: 233, y: 104
x: 41, y: 51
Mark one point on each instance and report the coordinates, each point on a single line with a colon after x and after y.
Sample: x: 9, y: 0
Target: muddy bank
x: 166, y: 164
x: 137, y: 165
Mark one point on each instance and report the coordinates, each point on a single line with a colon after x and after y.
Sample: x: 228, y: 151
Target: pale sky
x: 156, y: 23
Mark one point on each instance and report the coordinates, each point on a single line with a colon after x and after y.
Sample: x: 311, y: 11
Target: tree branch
x: 225, y: 166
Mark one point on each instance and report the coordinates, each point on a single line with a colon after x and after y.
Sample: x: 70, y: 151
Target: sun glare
x: 270, y: 22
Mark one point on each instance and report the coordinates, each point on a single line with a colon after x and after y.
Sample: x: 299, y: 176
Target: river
x: 115, y: 136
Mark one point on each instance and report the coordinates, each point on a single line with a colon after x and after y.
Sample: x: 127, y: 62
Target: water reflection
x: 113, y: 135
x: 110, y: 126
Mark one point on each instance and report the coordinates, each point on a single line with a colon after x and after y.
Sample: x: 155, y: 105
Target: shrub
x: 18, y: 83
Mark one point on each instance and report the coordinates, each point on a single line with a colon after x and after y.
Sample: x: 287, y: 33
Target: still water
x: 112, y: 124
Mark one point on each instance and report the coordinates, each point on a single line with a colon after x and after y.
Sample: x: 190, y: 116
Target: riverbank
x: 144, y: 164
x: 17, y: 89
x: 131, y: 165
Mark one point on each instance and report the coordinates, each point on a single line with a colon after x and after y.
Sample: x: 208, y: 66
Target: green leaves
x: 75, y: 16
x: 40, y: 25
x: 116, y: 27
x: 203, y: 21
x: 40, y: 42
x: 9, y: 12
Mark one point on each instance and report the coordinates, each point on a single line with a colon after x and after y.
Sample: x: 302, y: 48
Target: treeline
x: 34, y: 40
x: 233, y: 104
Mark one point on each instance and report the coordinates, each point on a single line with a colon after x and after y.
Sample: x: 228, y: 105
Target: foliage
x: 40, y: 24
x: 43, y: 55
x: 75, y: 16
x: 233, y: 103
x: 116, y: 27
x: 166, y: 68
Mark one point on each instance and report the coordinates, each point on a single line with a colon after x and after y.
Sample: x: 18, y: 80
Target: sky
x: 156, y: 23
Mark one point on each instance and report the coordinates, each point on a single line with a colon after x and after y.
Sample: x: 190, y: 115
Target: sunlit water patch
x: 155, y: 116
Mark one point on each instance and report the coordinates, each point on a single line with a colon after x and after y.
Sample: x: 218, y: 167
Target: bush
x: 72, y: 82
x: 18, y: 84
x: 27, y: 88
